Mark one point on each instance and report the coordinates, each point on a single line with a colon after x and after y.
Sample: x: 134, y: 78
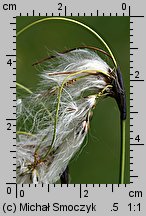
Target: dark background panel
x: 98, y: 160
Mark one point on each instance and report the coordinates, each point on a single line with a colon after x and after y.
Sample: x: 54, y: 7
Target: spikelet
x: 52, y: 122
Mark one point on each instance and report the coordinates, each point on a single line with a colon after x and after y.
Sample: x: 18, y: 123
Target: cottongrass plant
x: 53, y: 121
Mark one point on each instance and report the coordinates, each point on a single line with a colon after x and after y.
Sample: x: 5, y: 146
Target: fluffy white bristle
x: 37, y: 114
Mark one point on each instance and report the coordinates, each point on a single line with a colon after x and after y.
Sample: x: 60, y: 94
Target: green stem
x: 122, y: 152
x: 24, y: 88
x: 73, y: 21
x: 24, y: 133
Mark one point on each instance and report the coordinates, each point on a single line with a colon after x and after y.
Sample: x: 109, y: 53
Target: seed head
x: 52, y: 122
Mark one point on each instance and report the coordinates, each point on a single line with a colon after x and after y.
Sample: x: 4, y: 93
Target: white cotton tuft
x: 37, y: 115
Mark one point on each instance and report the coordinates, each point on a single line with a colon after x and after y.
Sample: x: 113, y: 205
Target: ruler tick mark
x: 80, y: 191
x: 65, y: 11
x: 137, y: 144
